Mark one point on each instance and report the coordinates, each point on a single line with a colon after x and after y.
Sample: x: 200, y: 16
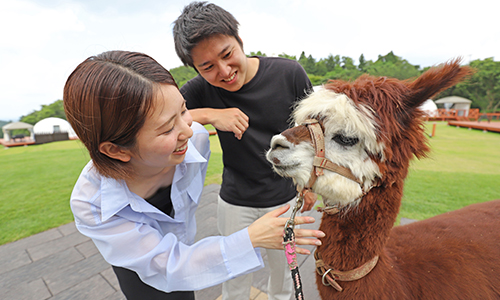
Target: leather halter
x: 331, y: 275
x: 320, y: 162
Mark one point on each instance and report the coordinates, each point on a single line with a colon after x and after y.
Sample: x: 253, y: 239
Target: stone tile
x: 34, y: 290
x: 31, y: 241
x: 67, y: 229
x: 211, y: 188
x: 210, y: 192
x: 49, y: 248
x: 208, y: 228
x: 118, y: 295
x: 87, y: 248
x: 261, y: 296
x: 40, y: 268
x: 95, y: 288
x: 254, y: 293
x: 69, y: 265
x: 210, y: 293
x: 13, y: 259
x: 110, y: 276
x: 206, y: 211
x: 71, y: 275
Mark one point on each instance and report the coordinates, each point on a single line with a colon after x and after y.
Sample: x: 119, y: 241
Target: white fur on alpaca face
x: 340, y: 118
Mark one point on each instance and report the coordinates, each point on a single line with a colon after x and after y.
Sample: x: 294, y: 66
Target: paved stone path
x: 63, y: 264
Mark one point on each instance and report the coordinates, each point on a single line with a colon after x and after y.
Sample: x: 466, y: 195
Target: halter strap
x: 320, y: 162
x: 331, y: 275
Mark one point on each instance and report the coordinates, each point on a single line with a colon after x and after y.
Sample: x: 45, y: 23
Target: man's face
x: 221, y: 62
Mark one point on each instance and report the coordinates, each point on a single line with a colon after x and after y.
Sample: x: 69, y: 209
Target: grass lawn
x: 36, y: 181
x: 214, y: 170
x: 463, y: 168
x: 35, y: 184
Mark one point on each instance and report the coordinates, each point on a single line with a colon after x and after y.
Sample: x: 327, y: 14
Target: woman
x: 138, y: 195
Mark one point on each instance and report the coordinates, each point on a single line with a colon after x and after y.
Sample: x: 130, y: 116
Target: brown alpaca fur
x: 451, y: 256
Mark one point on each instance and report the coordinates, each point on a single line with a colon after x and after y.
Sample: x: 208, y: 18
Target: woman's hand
x: 267, y: 231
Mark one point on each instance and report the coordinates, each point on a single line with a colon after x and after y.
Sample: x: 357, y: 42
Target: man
x: 248, y: 100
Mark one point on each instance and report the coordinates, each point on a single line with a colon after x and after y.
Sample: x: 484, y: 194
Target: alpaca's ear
x: 435, y: 80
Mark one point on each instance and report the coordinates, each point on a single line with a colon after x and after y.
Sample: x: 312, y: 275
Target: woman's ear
x: 114, y: 151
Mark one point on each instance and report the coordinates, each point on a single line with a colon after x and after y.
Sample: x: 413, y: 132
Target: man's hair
x: 108, y: 98
x: 198, y: 21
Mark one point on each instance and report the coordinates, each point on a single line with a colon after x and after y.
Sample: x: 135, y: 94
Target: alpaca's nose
x: 279, y: 145
x: 279, y: 142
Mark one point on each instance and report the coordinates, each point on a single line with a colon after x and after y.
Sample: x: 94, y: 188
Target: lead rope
x: 289, y: 245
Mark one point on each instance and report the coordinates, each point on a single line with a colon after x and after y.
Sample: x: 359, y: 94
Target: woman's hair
x: 198, y: 21
x: 108, y: 98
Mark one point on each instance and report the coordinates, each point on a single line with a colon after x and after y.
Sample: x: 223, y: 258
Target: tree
x: 391, y: 65
x: 284, y: 55
x: 347, y: 63
x: 2, y: 123
x: 321, y: 68
x: 55, y: 110
x: 308, y: 63
x: 362, y: 63
x: 310, y: 66
x: 316, y: 79
x: 258, y: 53
x: 331, y: 62
x: 302, y: 59
x: 484, y: 86
x: 183, y: 74
x: 389, y: 58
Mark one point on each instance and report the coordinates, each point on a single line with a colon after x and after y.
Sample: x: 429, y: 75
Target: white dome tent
x: 430, y: 108
x: 54, y: 125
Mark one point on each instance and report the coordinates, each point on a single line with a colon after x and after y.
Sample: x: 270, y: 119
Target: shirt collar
x: 115, y: 194
x: 192, y: 155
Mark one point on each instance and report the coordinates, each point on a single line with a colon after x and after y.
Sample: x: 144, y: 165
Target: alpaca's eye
x: 345, y: 140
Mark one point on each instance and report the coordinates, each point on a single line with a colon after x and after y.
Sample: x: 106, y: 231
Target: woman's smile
x: 181, y: 150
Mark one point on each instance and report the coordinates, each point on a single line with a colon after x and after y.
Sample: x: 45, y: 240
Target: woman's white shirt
x: 131, y: 233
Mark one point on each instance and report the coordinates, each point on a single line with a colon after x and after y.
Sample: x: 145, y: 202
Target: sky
x: 42, y: 41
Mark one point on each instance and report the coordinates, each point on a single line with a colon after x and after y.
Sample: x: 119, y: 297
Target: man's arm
x: 226, y: 119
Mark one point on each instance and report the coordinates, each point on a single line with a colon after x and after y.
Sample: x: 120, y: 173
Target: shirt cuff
x: 239, y: 254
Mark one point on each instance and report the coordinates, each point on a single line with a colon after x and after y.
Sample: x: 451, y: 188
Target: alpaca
x: 372, y: 129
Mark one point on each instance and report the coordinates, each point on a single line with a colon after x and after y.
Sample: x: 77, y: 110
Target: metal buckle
x: 291, y: 222
x: 323, y: 278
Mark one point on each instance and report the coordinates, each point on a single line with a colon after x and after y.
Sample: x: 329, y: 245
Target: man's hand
x: 224, y: 119
x: 231, y: 119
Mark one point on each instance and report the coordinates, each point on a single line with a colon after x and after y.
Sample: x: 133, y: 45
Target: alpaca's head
x: 371, y: 126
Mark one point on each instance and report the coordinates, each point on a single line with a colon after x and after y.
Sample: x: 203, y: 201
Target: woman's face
x: 162, y: 141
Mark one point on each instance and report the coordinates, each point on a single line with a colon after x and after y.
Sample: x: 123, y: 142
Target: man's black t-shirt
x: 268, y: 100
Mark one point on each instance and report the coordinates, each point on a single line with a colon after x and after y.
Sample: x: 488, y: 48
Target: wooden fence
x: 443, y: 114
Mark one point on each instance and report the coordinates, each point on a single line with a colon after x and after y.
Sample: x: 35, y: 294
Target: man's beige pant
x: 232, y: 218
